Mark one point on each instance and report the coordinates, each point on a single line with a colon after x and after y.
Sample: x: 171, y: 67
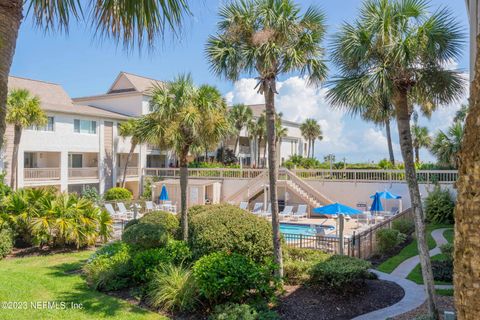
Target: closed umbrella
x: 163, y: 194
x: 377, y: 203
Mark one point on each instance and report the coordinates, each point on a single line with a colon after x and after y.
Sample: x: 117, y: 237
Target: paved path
x: 414, y: 293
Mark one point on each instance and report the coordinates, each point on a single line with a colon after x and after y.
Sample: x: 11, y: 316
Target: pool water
x: 304, y: 229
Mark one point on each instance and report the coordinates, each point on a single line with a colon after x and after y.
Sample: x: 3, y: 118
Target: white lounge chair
x: 244, y: 205
x: 301, y: 212
x: 123, y: 210
x: 150, y: 206
x: 257, y: 208
x: 110, y: 210
x: 287, y: 212
x: 268, y: 212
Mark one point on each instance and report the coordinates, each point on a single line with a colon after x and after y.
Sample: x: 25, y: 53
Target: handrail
x: 32, y: 174
x: 306, y: 187
x: 84, y: 172
x: 249, y: 186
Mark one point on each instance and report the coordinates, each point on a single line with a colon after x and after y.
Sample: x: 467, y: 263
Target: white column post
x: 20, y: 177
x: 64, y: 171
x: 101, y: 158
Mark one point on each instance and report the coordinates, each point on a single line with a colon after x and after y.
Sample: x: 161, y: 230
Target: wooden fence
x: 362, y: 245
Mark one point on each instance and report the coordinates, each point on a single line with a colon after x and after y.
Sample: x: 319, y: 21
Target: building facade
x: 80, y: 146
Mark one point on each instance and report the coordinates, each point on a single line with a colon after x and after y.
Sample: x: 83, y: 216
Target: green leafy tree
x: 129, y: 22
x: 183, y: 117
x: 399, y: 46
x: 268, y: 38
x: 446, y: 145
x: 311, y: 131
x: 240, y: 115
x: 128, y: 129
x: 23, y: 110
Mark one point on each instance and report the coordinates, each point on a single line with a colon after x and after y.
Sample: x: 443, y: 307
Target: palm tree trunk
x: 259, y: 151
x: 403, y: 121
x: 265, y: 155
x: 129, y: 155
x: 389, y: 141
x: 273, y: 173
x: 14, y: 168
x: 308, y: 150
x: 10, y: 19
x: 313, y: 148
x: 467, y: 211
x: 237, y: 147
x: 417, y: 154
x: 183, y: 193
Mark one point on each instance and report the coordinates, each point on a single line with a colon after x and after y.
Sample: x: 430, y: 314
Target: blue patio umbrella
x: 377, y: 203
x: 163, y: 194
x: 336, y: 208
x: 385, y: 195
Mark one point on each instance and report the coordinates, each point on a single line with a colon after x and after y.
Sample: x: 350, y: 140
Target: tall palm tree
x: 311, y: 131
x: 268, y: 38
x: 280, y: 131
x: 183, y: 117
x: 23, y: 110
x: 461, y: 113
x: 130, y: 22
x: 128, y: 129
x: 240, y: 115
x: 261, y: 136
x: 446, y: 145
x: 399, y: 46
x: 420, y: 139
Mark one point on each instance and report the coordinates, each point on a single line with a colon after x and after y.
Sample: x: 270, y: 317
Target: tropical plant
x: 240, y: 115
x: 268, y: 38
x: 420, y: 139
x: 311, y: 131
x: 183, y: 117
x: 446, y: 145
x: 401, y: 47
x: 128, y: 129
x: 129, y: 22
x: 23, y: 110
x: 439, y: 206
x: 461, y: 113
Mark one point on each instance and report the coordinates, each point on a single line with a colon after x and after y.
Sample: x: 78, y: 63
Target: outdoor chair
x: 394, y: 210
x: 150, y: 206
x: 301, y: 212
x: 244, y: 205
x: 268, y: 212
x: 287, y: 212
x: 257, y: 208
x: 123, y: 210
x: 110, y: 210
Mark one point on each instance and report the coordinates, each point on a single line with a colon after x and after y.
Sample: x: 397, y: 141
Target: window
x: 84, y: 126
x: 75, y: 160
x: 50, y: 126
x: 30, y: 160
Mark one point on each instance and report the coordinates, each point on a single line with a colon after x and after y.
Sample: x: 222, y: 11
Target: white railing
x: 41, y: 174
x: 392, y: 176
x: 250, y: 188
x: 83, y: 173
x: 131, y: 172
x: 308, y: 189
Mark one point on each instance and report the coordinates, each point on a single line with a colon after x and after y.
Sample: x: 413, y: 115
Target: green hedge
x: 228, y: 228
x: 117, y: 193
x: 6, y: 242
x: 168, y: 221
x: 388, y: 239
x: 145, y: 236
x: 439, y: 206
x: 297, y: 263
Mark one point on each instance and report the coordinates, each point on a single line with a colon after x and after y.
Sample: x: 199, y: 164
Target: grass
x: 448, y: 234
x: 410, y: 250
x: 444, y: 292
x: 56, y: 278
x: 416, y: 274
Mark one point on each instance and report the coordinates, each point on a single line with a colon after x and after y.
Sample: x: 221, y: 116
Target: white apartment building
x: 80, y: 145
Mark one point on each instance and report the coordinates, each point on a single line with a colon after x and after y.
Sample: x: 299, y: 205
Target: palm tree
x: 129, y: 22
x: 280, y: 131
x: 240, y: 115
x: 23, y: 110
x: 268, y: 38
x: 420, y: 139
x: 401, y: 47
x: 183, y: 117
x: 311, y: 131
x: 261, y: 136
x: 125, y: 130
x: 461, y: 113
x: 446, y: 145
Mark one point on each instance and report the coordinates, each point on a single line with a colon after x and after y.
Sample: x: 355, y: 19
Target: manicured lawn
x: 55, y: 278
x: 445, y: 292
x: 416, y: 274
x: 448, y: 234
x: 409, y: 251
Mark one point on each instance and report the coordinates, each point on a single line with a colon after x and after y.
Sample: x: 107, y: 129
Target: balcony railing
x: 41, y: 174
x: 131, y: 172
x: 83, y: 173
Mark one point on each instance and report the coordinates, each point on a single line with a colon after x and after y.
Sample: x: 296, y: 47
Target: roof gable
x: 126, y: 82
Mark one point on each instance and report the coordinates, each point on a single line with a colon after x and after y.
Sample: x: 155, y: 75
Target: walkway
x: 414, y: 293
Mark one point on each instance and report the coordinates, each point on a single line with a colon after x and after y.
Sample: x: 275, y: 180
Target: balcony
x: 83, y: 173
x: 132, y: 172
x: 41, y: 174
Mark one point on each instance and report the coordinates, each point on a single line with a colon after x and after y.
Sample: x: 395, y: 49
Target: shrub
x: 166, y: 220
x: 172, y: 288
x: 235, y: 311
x: 404, y: 226
x: 147, y: 261
x: 130, y: 223
x: 230, y: 229
x: 117, y: 193
x: 340, y: 272
x: 222, y: 277
x: 388, y: 239
x: 447, y: 250
x: 6, y: 242
x: 442, y: 270
x: 145, y: 236
x: 91, y: 193
x: 298, y: 263
x: 109, y: 268
x: 439, y: 206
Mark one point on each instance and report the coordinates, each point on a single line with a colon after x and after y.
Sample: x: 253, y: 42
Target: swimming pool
x: 304, y: 229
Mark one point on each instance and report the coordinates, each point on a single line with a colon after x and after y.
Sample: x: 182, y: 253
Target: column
x: 64, y: 171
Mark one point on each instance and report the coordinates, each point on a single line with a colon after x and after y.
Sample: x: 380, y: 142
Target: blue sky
x: 85, y: 67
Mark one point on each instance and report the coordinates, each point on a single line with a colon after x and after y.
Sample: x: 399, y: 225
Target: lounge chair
x: 301, y: 212
x: 123, y: 210
x: 394, y: 210
x: 110, y: 210
x: 257, y: 208
x: 268, y: 212
x: 150, y: 206
x: 287, y: 212
x: 244, y: 205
